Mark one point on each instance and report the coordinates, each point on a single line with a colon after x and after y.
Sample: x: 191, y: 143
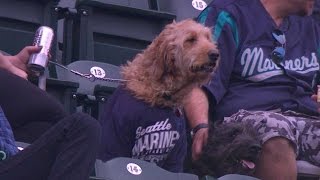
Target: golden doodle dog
x: 141, y: 119
x: 181, y: 57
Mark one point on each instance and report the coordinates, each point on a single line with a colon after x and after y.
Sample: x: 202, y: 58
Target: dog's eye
x: 208, y: 36
x: 191, y: 40
x: 235, y: 132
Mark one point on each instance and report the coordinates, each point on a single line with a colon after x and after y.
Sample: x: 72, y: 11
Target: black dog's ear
x: 217, y: 123
x: 227, y: 130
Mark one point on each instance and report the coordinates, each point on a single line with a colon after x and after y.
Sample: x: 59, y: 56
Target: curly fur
x: 163, y: 73
x: 228, y: 145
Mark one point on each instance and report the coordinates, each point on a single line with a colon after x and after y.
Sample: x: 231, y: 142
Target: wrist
x: 198, y: 127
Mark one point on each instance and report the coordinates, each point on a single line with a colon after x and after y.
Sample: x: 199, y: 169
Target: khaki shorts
x: 303, y: 131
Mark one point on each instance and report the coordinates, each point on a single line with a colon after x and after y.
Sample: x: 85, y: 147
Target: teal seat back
x: 87, y: 85
x: 135, y: 169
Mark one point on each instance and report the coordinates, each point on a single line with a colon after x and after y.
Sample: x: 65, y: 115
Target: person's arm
x: 226, y: 34
x: 18, y: 64
x: 315, y: 84
x: 197, y: 111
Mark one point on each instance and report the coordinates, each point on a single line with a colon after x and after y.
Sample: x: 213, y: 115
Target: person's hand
x: 18, y: 64
x: 199, y: 140
x: 314, y: 97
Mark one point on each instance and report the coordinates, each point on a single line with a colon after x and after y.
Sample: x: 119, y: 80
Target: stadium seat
x: 113, y: 33
x: 92, y: 93
x: 21, y: 145
x: 183, y: 9
x: 87, y: 85
x: 67, y: 3
x: 63, y: 90
x: 306, y: 169
x: 230, y: 177
x: 134, y: 169
x: 141, y: 4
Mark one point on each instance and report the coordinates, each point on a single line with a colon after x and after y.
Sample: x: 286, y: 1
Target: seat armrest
x: 62, y: 83
x: 100, y: 90
x: 64, y: 91
x: 307, y: 169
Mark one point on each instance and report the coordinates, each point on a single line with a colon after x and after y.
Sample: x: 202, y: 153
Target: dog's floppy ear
x: 168, y: 59
x: 164, y: 55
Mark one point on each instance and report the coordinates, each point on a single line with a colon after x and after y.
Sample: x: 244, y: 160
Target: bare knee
x: 277, y: 161
x: 278, y: 149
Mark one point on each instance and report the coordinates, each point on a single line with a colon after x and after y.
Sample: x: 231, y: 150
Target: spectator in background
x: 66, y: 151
x: 269, y: 56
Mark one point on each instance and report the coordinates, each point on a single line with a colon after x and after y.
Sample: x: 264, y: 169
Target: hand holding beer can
x: 38, y: 61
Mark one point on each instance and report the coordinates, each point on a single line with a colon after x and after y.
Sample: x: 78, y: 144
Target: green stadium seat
x: 134, y: 169
x: 308, y: 170
x: 92, y: 93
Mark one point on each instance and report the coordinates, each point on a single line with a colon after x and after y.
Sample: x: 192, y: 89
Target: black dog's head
x: 232, y: 148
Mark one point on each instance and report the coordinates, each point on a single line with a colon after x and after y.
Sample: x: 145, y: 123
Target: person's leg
x: 279, y: 136
x: 309, y: 140
x: 24, y: 103
x: 277, y: 160
x: 65, y: 152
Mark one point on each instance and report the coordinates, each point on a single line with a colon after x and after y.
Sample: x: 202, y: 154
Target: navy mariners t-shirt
x: 131, y: 128
x: 247, y: 77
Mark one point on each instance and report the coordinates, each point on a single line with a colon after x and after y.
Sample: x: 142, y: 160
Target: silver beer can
x: 38, y: 61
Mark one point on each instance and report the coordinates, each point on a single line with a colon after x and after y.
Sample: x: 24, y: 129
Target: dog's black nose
x: 213, y: 56
x: 255, y: 148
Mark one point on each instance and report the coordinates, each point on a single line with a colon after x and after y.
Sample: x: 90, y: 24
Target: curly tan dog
x: 141, y: 119
x: 180, y: 58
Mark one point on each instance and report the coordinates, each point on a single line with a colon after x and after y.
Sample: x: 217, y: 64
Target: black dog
x: 232, y: 148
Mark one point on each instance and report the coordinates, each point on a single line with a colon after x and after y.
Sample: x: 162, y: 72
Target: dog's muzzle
x: 207, y: 67
x: 250, y: 162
